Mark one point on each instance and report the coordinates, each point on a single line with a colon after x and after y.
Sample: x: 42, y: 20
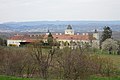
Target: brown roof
x: 24, y: 37
x: 29, y: 38
x: 17, y: 37
x: 71, y: 37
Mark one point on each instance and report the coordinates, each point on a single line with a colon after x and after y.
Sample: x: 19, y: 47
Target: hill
x: 58, y: 26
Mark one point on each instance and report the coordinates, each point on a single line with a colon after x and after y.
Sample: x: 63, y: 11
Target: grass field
x: 13, y: 78
x: 104, y: 78
x: 115, y: 59
x: 92, y: 78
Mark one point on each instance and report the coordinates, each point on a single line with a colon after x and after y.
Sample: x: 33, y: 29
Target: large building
x: 68, y: 37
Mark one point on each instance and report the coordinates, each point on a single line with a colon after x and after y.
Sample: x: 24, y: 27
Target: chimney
x: 60, y: 33
x: 83, y: 33
x: 86, y: 33
x: 78, y: 33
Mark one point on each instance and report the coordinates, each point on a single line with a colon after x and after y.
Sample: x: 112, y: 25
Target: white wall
x: 15, y: 42
x: 70, y: 32
x: 96, y: 35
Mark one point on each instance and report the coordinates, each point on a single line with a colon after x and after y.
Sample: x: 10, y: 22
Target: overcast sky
x: 34, y: 10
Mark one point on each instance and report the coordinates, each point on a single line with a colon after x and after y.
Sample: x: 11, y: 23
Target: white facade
x: 14, y: 42
x: 96, y: 43
x: 69, y: 31
x: 96, y: 35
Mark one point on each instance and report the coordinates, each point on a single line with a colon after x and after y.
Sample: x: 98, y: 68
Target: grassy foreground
x: 104, y: 78
x: 92, y: 78
x: 114, y: 58
x: 13, y: 78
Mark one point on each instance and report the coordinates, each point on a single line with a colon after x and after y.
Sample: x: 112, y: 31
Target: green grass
x: 13, y: 78
x: 92, y: 78
x: 104, y: 78
x: 3, y: 77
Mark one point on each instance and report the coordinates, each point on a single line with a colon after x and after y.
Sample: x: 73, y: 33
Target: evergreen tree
x: 2, y: 42
x: 50, y: 39
x: 107, y: 33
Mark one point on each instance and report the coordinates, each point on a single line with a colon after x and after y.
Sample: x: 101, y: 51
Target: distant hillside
x: 58, y: 26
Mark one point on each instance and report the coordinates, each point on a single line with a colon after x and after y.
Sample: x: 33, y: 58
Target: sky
x: 51, y: 10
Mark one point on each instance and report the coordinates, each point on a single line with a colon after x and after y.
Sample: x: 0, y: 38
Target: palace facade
x: 68, y: 37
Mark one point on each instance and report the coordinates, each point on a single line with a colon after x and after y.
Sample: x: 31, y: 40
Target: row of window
x: 13, y: 42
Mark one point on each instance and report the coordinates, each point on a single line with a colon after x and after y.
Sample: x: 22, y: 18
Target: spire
x: 48, y: 31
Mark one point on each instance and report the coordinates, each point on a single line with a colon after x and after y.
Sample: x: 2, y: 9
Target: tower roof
x: 95, y: 31
x: 69, y: 27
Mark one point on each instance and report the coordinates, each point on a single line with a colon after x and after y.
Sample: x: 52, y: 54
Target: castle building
x: 68, y: 37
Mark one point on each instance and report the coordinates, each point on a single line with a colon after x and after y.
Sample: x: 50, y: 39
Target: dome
x: 69, y: 27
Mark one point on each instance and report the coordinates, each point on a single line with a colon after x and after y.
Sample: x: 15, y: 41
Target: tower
x: 96, y: 43
x: 69, y: 30
x: 48, y: 32
x: 96, y: 35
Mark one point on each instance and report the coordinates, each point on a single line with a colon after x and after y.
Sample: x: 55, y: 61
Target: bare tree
x: 42, y: 58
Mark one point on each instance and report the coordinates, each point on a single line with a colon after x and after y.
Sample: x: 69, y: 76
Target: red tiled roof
x: 62, y: 37
x: 25, y: 37
x: 17, y: 37
x: 71, y: 37
x: 30, y: 40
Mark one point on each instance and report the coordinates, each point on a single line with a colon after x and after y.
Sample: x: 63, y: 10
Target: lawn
x: 104, y: 78
x: 13, y: 78
x: 92, y: 78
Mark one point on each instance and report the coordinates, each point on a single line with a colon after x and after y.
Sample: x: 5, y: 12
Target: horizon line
x: 54, y: 21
